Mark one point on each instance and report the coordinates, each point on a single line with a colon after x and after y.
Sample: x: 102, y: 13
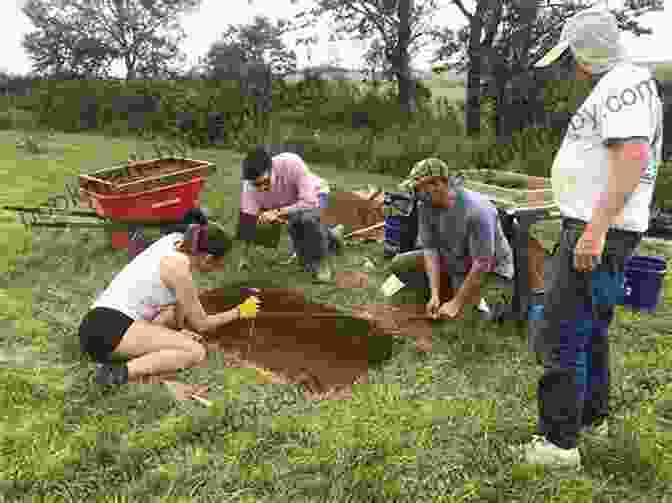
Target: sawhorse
x: 516, y: 223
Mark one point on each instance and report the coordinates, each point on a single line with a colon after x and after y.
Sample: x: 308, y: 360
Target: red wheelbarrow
x: 124, y: 199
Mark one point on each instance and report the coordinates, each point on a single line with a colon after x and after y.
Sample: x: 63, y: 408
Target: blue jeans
x: 310, y: 239
x: 578, y: 309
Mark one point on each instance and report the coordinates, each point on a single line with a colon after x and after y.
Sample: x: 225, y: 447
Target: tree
x: 252, y: 54
x: 259, y: 42
x: 83, y: 38
x: 396, y: 26
x: 512, y: 35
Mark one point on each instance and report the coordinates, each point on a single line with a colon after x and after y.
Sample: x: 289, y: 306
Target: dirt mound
x: 314, y: 345
x: 345, y: 279
x: 356, y: 210
x: 401, y: 320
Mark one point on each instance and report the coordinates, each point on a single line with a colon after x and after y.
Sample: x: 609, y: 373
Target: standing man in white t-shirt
x: 603, y: 179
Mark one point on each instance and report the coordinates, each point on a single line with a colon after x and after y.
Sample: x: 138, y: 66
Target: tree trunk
x: 472, y: 118
x: 503, y: 128
x: 405, y: 79
x: 130, y: 68
x: 519, y: 44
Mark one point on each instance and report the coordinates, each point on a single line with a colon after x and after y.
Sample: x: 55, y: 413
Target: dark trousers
x: 311, y: 239
x: 579, y: 307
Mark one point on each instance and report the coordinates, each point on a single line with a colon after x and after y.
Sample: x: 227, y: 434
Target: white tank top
x: 137, y: 290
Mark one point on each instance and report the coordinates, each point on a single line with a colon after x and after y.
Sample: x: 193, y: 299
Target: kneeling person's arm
x: 482, y: 235
x: 427, y: 229
x: 176, y: 275
x: 470, y: 291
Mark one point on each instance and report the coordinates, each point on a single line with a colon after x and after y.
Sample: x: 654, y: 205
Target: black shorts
x: 101, y: 332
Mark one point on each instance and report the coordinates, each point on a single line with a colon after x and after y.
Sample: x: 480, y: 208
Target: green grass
x: 663, y: 72
x: 426, y: 428
x: 453, y: 91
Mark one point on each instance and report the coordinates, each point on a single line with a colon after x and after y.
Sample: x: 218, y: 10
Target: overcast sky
x: 206, y: 25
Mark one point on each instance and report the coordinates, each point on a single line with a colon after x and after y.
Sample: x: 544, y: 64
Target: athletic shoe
x: 483, y: 306
x: 111, y: 375
x: 542, y: 452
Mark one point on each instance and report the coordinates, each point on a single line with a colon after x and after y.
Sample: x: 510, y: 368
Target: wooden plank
x: 199, y: 165
x: 94, y: 180
x: 50, y: 211
x: 194, y: 171
x: 365, y: 230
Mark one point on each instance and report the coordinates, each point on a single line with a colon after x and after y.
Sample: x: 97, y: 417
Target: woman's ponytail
x: 204, y: 239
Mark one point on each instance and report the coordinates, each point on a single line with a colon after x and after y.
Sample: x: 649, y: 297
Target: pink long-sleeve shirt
x: 293, y: 186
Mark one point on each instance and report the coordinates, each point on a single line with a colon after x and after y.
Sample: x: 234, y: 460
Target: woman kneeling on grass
x: 127, y: 319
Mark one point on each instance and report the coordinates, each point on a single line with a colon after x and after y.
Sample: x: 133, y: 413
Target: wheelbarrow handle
x: 47, y: 210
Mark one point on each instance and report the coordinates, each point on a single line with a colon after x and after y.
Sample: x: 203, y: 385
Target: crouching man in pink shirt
x: 283, y: 188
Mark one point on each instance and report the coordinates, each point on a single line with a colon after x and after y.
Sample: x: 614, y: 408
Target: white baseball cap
x: 593, y: 37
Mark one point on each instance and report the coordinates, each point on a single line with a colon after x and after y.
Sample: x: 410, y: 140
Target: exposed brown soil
x: 319, y: 354
x: 326, y: 355
x: 400, y: 320
x: 355, y: 210
x: 345, y: 279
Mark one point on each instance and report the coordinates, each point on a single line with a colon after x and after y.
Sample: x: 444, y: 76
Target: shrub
x: 662, y: 195
x: 6, y: 120
x: 60, y: 105
x: 117, y: 128
x: 17, y: 119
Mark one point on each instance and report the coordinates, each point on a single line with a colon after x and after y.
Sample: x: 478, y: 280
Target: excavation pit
x: 313, y: 345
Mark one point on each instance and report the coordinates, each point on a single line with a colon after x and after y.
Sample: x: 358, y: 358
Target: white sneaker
x: 542, y: 452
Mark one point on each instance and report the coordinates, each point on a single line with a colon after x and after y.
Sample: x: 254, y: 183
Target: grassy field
x: 450, y: 90
x: 427, y: 427
x: 441, y: 88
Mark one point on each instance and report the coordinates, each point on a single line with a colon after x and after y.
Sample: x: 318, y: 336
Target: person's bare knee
x: 143, y: 338
x: 194, y: 346
x: 166, y: 318
x: 199, y: 352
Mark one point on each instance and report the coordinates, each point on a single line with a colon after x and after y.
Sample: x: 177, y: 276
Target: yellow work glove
x: 249, y: 308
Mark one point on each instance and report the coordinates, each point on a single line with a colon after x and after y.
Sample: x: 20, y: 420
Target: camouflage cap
x: 427, y: 167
